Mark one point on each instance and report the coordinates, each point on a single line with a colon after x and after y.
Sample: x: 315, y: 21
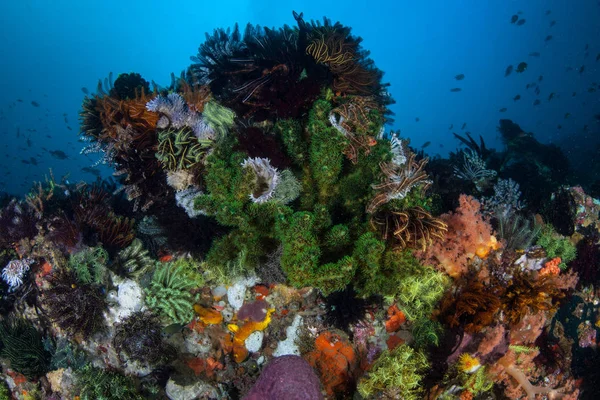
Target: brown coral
x: 473, y: 306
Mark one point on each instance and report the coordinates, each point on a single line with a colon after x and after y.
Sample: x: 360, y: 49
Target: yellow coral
x: 468, y: 364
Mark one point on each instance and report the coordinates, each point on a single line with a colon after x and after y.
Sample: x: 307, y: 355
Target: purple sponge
x: 286, y: 378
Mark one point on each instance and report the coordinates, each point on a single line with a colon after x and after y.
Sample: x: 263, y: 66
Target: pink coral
x: 494, y: 336
x: 468, y: 235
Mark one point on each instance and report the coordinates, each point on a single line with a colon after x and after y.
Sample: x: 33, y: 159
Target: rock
x: 197, y: 390
x: 289, y: 378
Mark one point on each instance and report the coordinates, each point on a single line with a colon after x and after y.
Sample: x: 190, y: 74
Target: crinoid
x: 525, y: 294
x: 413, y: 227
x: 472, y: 306
x: 77, y: 308
x: 399, y: 180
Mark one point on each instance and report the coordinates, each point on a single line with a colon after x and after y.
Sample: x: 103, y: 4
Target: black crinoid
x: 77, y: 308
x: 265, y: 73
x: 345, y: 309
x: 139, y: 338
x: 17, y: 221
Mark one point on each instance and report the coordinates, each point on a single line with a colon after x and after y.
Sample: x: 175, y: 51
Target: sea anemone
x: 266, y: 178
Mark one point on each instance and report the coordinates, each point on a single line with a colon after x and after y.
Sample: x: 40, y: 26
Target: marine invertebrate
x: 139, y: 337
x: 17, y: 221
x: 77, y: 308
x: 266, y: 178
x: 468, y: 364
x: 241, y: 333
x: 22, y: 346
x: 419, y: 293
x: 97, y: 383
x: 14, y: 272
x: 399, y: 180
x: 468, y: 235
x: 185, y: 199
x: 116, y: 231
x: 286, y: 375
x: 557, y: 246
x: 344, y: 309
x: 134, y: 260
x: 472, y: 306
x: 129, y: 85
x: 413, y: 227
x: 474, y: 169
x: 169, y: 293
x: 397, y: 373
x: 89, y: 265
x: 335, y: 360
x: 179, y: 149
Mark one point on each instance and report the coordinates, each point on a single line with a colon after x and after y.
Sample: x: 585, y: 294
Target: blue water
x: 50, y: 50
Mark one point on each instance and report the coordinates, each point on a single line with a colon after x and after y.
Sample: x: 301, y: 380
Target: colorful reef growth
x: 266, y: 234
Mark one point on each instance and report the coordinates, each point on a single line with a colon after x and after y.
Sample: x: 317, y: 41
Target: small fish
x: 581, y: 69
x: 567, y: 115
x: 587, y: 46
x: 91, y: 170
x: 426, y: 144
x: 521, y: 22
x: 548, y: 12
x: 33, y: 161
x: 574, y: 94
x: 591, y: 89
x: 463, y: 126
x: 85, y: 90
x: 503, y: 109
x: 548, y: 38
x: 417, y: 119
x: 534, y: 54
x: 514, y: 19
x: 20, y: 100
x: 25, y: 162
x: 522, y: 67
x: 508, y: 70
x: 173, y: 328
x: 537, y: 90
x: 451, y: 126
x: 598, y: 57
x: 61, y: 155
x: 540, y: 78
x: 29, y: 142
x: 536, y: 102
x: 49, y: 137
x: 528, y: 86
x: 517, y: 97
x: 551, y: 96
x: 459, y: 77
x: 35, y: 103
x: 456, y: 89
x: 552, y: 23
x: 559, y: 127
x: 69, y: 128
